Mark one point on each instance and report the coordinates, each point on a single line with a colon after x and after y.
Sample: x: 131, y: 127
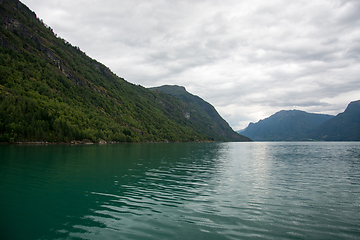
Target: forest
x: 51, y: 91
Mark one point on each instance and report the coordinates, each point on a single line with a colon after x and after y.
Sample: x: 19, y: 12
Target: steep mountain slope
x: 52, y: 91
x: 343, y: 127
x: 201, y: 115
x: 291, y: 125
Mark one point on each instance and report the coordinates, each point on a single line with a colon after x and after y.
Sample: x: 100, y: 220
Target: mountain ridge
x: 51, y: 91
x: 285, y: 125
x: 295, y: 125
x: 202, y: 112
x: 343, y: 127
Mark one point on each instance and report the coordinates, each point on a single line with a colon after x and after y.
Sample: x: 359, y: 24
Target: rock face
x: 343, y: 127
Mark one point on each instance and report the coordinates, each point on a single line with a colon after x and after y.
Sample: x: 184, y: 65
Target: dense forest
x: 52, y: 91
x: 202, y: 112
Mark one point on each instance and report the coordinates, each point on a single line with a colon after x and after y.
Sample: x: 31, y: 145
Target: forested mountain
x: 201, y: 115
x: 299, y: 126
x: 291, y: 125
x: 52, y: 91
x: 343, y: 127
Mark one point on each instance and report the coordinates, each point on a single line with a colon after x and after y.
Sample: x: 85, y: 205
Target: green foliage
x: 52, y: 91
x: 201, y: 116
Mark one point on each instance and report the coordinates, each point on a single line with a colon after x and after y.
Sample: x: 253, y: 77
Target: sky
x: 248, y: 58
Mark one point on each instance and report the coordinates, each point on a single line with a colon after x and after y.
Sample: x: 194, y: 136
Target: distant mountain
x: 343, y: 127
x: 52, y: 91
x: 290, y: 125
x: 200, y: 115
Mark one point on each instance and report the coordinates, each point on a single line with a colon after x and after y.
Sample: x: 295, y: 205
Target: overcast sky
x: 248, y: 58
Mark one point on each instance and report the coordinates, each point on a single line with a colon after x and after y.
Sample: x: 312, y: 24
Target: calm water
x: 181, y: 191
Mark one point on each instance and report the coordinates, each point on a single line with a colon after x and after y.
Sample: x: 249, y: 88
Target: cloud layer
x: 247, y: 58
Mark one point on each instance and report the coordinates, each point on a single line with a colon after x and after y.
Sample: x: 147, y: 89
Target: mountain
x: 290, y: 125
x: 343, y: 127
x: 200, y: 115
x: 52, y: 91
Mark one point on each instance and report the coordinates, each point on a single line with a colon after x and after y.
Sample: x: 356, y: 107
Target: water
x: 197, y: 191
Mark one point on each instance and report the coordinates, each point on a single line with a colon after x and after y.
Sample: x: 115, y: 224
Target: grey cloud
x: 354, y: 51
x: 330, y: 41
x: 349, y: 14
x: 247, y: 58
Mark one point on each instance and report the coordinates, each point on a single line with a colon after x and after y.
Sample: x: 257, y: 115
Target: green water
x: 181, y: 191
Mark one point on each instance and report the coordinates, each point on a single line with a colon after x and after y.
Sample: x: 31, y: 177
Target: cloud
x: 247, y: 58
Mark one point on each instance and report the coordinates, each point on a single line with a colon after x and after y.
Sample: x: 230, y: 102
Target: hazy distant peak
x: 343, y: 127
x: 353, y: 106
x: 285, y: 125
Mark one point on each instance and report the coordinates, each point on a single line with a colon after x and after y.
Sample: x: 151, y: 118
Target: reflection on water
x: 181, y: 191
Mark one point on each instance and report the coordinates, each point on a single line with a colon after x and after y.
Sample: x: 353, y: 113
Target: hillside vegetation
x: 52, y: 91
x: 201, y: 115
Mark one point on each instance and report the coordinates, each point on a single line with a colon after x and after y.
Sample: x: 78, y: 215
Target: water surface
x: 255, y: 190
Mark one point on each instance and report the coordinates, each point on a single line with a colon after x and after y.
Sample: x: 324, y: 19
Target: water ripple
x: 192, y: 191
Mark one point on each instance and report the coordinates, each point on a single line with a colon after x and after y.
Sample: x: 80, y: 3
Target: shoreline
x: 86, y: 142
